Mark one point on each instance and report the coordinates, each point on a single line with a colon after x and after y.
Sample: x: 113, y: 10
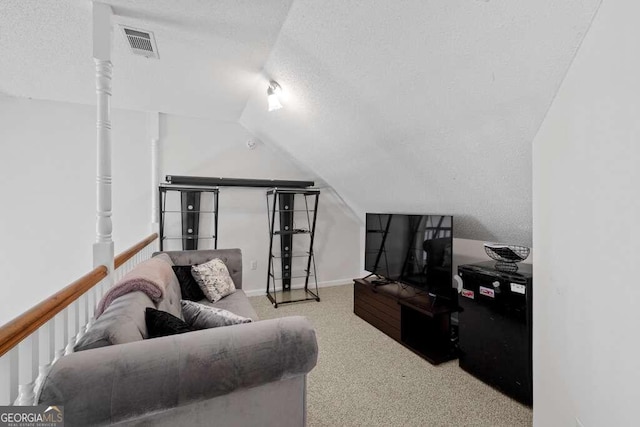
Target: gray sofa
x: 253, y: 374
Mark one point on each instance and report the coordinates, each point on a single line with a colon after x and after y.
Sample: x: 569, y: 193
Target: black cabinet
x: 495, y: 327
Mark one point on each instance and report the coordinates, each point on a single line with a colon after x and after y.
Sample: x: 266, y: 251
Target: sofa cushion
x: 172, y: 295
x: 200, y: 316
x: 162, y: 324
x: 122, y: 322
x: 214, y: 279
x: 189, y: 288
x: 237, y: 303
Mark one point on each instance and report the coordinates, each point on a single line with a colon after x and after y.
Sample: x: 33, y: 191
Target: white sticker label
x: 487, y: 292
x: 518, y: 288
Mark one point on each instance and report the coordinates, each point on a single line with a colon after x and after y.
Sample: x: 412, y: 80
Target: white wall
x: 586, y: 233
x: 216, y: 148
x: 47, y: 182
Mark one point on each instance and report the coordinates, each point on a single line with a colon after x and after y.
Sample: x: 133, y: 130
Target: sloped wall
x: 214, y: 148
x: 421, y: 106
x: 586, y: 233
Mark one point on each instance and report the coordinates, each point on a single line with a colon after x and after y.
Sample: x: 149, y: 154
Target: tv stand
x: 414, y: 319
x: 377, y: 280
x: 380, y: 282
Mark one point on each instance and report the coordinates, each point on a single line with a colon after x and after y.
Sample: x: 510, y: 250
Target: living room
x: 518, y: 119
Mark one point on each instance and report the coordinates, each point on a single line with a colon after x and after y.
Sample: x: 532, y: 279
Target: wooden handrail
x: 12, y: 333
x: 129, y: 253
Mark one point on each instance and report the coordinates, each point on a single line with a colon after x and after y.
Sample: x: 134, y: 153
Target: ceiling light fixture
x: 272, y: 96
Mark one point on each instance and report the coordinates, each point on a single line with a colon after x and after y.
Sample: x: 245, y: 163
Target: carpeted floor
x: 364, y: 378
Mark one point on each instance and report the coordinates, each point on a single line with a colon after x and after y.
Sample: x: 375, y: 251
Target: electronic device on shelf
x: 413, y: 250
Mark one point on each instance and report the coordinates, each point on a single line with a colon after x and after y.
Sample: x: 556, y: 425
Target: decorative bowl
x: 506, y: 255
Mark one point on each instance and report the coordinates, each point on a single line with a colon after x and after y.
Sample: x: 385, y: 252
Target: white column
x: 153, y: 123
x: 103, y: 252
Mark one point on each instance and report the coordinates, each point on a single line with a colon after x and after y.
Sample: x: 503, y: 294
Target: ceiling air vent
x: 142, y: 42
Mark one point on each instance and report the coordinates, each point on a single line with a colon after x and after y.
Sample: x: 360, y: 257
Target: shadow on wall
x: 468, y: 227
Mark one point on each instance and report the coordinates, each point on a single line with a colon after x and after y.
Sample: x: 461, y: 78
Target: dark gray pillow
x: 188, y: 286
x: 200, y: 316
x: 162, y: 324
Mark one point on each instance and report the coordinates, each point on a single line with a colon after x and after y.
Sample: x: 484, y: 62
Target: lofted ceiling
x: 422, y: 106
x: 426, y: 106
x: 211, y: 52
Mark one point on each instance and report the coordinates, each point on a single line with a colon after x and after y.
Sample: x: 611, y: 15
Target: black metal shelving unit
x: 189, y: 211
x: 281, y: 202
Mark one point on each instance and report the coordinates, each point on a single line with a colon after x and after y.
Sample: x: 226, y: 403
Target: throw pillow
x: 200, y: 316
x: 188, y: 286
x: 161, y: 324
x: 214, y: 279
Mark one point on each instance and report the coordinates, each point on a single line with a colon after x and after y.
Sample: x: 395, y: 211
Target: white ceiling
x: 211, y: 52
x: 422, y: 106
x: 412, y: 106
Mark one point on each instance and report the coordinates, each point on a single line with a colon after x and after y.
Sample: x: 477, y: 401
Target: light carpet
x: 365, y: 378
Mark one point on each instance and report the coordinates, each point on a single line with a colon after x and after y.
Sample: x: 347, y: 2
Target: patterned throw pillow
x: 200, y: 316
x: 214, y: 279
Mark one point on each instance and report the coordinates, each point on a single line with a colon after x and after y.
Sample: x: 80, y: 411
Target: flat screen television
x: 415, y: 250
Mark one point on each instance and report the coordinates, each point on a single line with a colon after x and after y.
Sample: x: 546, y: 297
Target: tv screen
x: 412, y: 249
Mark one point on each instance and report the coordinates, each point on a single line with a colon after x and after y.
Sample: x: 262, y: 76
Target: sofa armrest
x: 119, y: 382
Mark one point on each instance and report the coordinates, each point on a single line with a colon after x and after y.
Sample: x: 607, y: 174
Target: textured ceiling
x: 211, y: 52
x: 412, y: 106
x: 422, y: 106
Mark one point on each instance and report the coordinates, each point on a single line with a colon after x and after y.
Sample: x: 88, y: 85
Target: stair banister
x: 33, y: 341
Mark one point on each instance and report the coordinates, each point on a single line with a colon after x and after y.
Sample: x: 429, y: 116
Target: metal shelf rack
x: 281, y: 202
x: 189, y: 212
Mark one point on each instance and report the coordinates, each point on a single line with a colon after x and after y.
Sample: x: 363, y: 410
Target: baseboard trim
x: 327, y: 284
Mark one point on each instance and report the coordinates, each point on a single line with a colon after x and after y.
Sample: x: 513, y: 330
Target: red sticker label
x: 467, y: 293
x: 487, y: 292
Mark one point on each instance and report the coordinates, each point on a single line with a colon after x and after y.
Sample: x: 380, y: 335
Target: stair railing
x: 32, y: 342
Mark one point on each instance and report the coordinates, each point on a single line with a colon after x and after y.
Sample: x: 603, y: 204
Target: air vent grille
x: 141, y: 42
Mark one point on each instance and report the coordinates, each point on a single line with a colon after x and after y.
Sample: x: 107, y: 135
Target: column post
x: 103, y: 253
x: 154, y: 135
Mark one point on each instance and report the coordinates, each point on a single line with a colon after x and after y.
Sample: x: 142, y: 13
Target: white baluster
x: 72, y: 328
x: 43, y: 371
x: 91, y: 304
x: 61, y: 336
x: 9, y: 372
x: 29, y: 353
x: 26, y: 395
x: 102, y: 289
x: 52, y: 339
x: 83, y: 315
x: 57, y: 356
x: 47, y: 353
